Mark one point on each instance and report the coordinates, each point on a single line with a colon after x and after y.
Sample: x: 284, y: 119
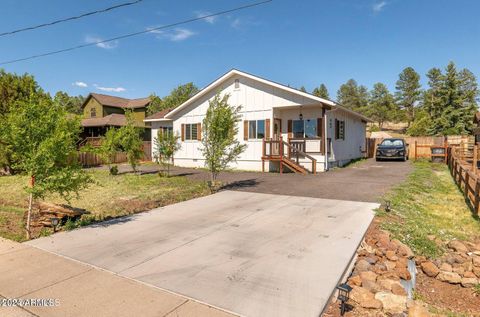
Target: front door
x: 277, y: 133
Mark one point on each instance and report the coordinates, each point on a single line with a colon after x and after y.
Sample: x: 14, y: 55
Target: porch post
x: 325, y: 147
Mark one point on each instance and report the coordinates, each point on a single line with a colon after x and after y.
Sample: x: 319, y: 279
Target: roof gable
x: 236, y: 72
x: 118, y: 102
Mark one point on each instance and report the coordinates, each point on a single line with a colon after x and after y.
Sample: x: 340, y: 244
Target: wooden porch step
x: 294, y: 166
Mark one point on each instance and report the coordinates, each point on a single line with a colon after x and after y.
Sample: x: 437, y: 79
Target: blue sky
x: 291, y: 42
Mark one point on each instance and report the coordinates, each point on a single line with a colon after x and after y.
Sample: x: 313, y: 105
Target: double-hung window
x: 256, y: 129
x: 191, y: 131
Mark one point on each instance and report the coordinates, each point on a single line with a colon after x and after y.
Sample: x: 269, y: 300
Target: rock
x: 420, y: 259
x: 402, y: 263
x: 449, y: 277
x: 392, y: 303
x: 398, y: 289
x: 476, y: 260
x: 368, y: 276
x: 468, y: 266
x: 458, y: 269
x: 417, y: 310
x: 403, y: 273
x: 469, y: 274
x: 379, y: 268
x: 430, y: 269
x: 476, y: 271
x: 446, y: 267
x: 355, y: 280
x: 469, y: 282
x: 386, y: 283
x: 390, y: 265
x: 362, y: 266
x: 403, y: 249
x: 365, y: 298
x: 371, y: 259
x: 457, y: 246
x: 391, y: 255
x: 371, y: 286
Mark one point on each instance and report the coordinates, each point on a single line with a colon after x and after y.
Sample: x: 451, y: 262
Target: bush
x: 114, y: 170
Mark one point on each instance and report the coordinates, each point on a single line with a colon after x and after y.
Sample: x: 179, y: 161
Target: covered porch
x: 299, y: 139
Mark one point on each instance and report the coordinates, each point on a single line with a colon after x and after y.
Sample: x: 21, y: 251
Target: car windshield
x: 392, y: 143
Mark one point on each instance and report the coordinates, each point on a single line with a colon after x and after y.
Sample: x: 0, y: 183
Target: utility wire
x: 136, y: 33
x: 71, y: 18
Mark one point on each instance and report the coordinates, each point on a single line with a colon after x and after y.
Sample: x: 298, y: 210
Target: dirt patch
x: 446, y: 296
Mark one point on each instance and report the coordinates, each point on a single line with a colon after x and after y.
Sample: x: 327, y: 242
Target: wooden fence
x: 88, y: 159
x: 465, y: 174
x: 424, y: 144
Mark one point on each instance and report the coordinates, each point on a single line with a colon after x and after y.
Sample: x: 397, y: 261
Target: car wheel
x: 405, y: 158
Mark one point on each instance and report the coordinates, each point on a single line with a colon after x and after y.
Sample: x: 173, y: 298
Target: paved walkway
x: 252, y: 254
x: 82, y: 290
x: 365, y: 181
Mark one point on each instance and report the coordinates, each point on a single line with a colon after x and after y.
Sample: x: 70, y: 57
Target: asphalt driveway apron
x: 252, y: 254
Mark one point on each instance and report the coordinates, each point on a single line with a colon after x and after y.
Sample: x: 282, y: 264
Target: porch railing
x: 277, y: 149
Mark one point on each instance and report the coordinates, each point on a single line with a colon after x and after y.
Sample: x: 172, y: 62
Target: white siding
x: 355, y: 134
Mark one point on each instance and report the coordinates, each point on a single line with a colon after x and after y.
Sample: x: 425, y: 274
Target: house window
x: 237, y: 83
x: 191, y: 131
x: 256, y: 129
x: 339, y: 129
x: 165, y: 131
x: 93, y: 112
x: 304, y: 128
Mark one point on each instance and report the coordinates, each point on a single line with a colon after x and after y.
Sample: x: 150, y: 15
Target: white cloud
x: 378, y: 6
x: 104, y: 45
x: 210, y: 20
x: 110, y: 89
x: 181, y: 34
x: 175, y: 35
x: 80, y: 84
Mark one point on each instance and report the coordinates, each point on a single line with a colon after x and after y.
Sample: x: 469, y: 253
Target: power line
x: 136, y: 33
x: 71, y: 18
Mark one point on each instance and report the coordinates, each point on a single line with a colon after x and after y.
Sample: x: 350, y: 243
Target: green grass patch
x: 429, y: 203
x: 109, y: 197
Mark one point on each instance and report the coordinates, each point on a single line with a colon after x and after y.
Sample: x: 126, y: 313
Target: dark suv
x: 392, y: 149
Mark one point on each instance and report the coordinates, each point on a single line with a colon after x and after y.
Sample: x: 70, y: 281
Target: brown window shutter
x: 290, y: 128
x: 183, y: 132
x: 267, y: 128
x: 245, y: 130
x: 199, y: 132
x: 319, y: 127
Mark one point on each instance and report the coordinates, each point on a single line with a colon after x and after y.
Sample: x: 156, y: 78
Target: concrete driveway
x: 248, y: 253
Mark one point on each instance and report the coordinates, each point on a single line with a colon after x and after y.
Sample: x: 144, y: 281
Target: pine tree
x: 302, y: 89
x: 382, y: 104
x: 408, y: 92
x: 353, y: 96
x: 321, y: 92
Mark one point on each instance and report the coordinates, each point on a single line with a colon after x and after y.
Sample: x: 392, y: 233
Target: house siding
x: 87, y: 110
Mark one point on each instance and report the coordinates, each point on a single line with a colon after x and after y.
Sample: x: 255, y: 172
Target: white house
x: 281, y: 126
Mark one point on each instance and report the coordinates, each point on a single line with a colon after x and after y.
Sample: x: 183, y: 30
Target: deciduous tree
x: 73, y: 104
x: 129, y: 137
x: 166, y: 145
x: 176, y: 97
x: 219, y: 135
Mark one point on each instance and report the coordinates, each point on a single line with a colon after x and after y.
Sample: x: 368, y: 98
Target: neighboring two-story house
x: 101, y: 112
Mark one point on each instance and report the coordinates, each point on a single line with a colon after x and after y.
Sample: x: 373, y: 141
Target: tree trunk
x: 29, y: 216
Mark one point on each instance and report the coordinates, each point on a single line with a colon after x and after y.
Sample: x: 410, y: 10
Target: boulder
x: 403, y: 273
x: 430, y: 269
x: 458, y: 269
x: 476, y: 271
x: 368, y: 276
x: 449, y: 277
x: 476, y: 260
x: 398, y: 289
x: 372, y: 286
x: 355, y: 280
x: 365, y: 298
x: 457, y: 246
x: 469, y: 274
x: 446, y: 267
x: 469, y: 282
x: 393, y: 304
x: 403, y: 249
x: 362, y: 266
x: 391, y: 255
x: 390, y: 265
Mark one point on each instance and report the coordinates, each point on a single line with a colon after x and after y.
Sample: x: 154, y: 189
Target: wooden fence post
x: 475, y: 159
x: 415, y: 150
x: 476, y: 198
x: 467, y: 179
